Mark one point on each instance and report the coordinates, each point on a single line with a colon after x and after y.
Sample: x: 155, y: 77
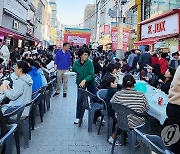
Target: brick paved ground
x: 58, y: 135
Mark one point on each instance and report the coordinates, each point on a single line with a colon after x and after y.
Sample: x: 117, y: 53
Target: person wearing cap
x: 4, y: 53
x: 175, y: 62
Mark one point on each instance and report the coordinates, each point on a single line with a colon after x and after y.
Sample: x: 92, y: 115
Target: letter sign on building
x: 161, y: 27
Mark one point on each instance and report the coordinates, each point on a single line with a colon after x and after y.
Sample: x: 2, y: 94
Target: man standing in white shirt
x: 4, y: 53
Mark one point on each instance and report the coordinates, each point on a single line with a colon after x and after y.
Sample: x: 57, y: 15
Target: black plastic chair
x: 101, y: 94
x: 7, y: 139
x: 122, y: 125
x: 38, y: 102
x: 91, y: 105
x: 152, y: 143
x: 25, y: 121
x: 13, y: 117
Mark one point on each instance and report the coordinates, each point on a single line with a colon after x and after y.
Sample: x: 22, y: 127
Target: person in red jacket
x: 163, y: 62
x: 155, y: 59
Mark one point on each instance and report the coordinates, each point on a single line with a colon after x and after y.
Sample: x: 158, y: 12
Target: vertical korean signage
x: 77, y: 36
x: 126, y: 37
x: 114, y: 35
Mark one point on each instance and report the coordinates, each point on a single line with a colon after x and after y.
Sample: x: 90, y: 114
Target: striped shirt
x: 134, y: 100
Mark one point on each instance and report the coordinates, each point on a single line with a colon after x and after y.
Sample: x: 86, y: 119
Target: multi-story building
x: 53, y: 6
x: 90, y: 20
x: 13, y: 21
x: 47, y: 24
x: 103, y: 20
x: 156, y: 26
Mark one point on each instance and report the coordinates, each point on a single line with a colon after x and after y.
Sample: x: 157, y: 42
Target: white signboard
x: 165, y: 26
x: 16, y: 8
x: 77, y: 39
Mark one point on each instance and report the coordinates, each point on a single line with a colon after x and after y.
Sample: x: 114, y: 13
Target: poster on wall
x: 77, y: 36
x: 126, y: 37
x: 114, y: 35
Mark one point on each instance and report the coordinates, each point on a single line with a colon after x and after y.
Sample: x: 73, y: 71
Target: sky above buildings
x: 71, y: 12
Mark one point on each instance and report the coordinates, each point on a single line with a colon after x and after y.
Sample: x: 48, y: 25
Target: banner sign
x: 126, y: 36
x: 114, y: 35
x: 77, y: 36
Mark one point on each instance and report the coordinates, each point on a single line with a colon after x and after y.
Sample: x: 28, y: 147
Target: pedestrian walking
x: 85, y: 77
x: 62, y: 64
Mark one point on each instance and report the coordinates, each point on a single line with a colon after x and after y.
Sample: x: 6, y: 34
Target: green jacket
x: 84, y: 72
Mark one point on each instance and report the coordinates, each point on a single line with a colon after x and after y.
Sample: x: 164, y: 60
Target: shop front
x: 13, y: 26
x: 162, y: 32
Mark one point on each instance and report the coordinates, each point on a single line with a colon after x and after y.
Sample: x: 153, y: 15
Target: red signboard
x: 125, y: 40
x: 77, y: 39
x: 114, y: 36
x: 77, y: 36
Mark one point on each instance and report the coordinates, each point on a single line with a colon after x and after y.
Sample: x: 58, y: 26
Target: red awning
x: 154, y: 40
x: 6, y: 32
x: 147, y: 41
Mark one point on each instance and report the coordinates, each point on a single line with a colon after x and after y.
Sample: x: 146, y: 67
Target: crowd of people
x: 101, y: 72
x: 96, y: 69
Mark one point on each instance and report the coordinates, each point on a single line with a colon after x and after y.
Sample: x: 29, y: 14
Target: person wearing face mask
x: 85, y: 77
x: 21, y: 91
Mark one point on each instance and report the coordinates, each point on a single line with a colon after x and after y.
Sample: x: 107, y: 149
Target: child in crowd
x: 113, y: 87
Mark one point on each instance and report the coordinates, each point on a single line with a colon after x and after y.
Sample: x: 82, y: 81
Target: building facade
x: 90, y: 20
x: 53, y: 5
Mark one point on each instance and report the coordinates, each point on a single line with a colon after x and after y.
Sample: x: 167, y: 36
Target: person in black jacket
x: 113, y: 87
x: 164, y: 81
x: 145, y: 58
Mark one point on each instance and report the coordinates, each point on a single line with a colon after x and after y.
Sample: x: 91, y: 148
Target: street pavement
x: 58, y: 134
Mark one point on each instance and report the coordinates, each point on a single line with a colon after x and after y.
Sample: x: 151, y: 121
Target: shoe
x: 111, y: 140
x: 64, y: 94
x: 76, y: 121
x: 56, y: 94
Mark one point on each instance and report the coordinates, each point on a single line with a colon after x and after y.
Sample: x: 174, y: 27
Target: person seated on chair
x: 111, y: 72
x: 113, y: 87
x: 132, y: 99
x: 21, y: 91
x: 35, y: 75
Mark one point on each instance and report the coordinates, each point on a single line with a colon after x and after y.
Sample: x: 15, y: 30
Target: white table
x: 152, y: 95
x: 157, y: 111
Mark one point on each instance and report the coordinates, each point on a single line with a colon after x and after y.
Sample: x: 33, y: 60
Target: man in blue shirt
x: 62, y: 64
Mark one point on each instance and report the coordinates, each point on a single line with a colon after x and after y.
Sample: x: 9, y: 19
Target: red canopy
x: 5, y: 32
x: 147, y: 41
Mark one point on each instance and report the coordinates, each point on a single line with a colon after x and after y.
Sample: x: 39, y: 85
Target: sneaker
x: 56, y: 94
x: 76, y: 121
x: 111, y: 140
x: 64, y: 94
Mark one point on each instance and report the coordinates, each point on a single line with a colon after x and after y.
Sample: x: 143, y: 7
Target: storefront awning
x: 6, y: 32
x: 154, y: 40
x: 33, y: 38
x: 147, y: 41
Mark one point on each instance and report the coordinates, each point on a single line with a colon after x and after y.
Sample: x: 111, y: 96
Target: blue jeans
x: 90, y: 88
